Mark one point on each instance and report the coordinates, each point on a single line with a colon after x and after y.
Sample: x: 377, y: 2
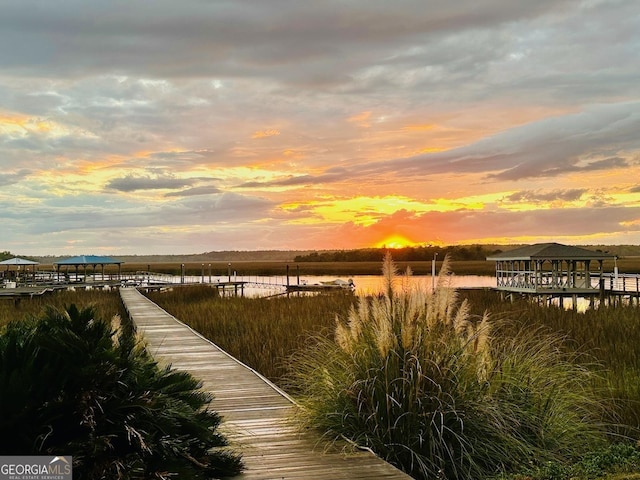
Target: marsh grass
x: 102, y: 300
x: 262, y: 332
x: 605, y: 338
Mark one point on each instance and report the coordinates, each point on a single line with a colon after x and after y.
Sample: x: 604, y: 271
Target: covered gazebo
x: 18, y: 263
x: 550, y: 268
x: 84, y: 261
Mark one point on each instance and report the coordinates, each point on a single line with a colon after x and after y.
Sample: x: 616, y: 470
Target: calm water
x: 365, y: 284
x: 368, y: 284
x: 263, y: 286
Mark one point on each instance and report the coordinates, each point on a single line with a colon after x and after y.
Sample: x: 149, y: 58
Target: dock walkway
x: 256, y: 413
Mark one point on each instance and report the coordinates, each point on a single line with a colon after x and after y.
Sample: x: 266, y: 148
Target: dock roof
x: 18, y: 261
x: 550, y: 251
x: 89, y: 260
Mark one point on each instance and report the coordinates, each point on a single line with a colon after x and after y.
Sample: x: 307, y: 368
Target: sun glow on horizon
x: 395, y: 242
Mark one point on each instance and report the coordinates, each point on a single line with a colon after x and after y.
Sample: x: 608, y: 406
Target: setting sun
x: 395, y: 241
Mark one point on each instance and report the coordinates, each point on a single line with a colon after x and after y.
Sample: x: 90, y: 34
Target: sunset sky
x: 166, y: 127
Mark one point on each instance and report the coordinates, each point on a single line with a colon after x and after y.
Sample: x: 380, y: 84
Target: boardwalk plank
x: 257, y: 415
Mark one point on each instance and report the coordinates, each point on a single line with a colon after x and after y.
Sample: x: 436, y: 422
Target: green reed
x: 607, y: 338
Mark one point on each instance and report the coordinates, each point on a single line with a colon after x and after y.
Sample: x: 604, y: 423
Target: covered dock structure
x: 12, y: 277
x: 86, y: 261
x: 551, y: 269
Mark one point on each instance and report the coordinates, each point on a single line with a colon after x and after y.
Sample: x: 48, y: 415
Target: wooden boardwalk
x: 256, y: 413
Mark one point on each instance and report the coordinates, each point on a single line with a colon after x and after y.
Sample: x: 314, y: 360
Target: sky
x: 168, y: 127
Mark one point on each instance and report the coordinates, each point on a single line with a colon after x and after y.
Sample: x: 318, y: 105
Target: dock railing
x: 622, y: 283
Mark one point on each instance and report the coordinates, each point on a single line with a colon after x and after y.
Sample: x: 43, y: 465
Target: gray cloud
x: 195, y: 191
x: 544, y: 148
x: 96, y: 214
x: 131, y: 183
x: 12, y: 178
x: 535, y: 196
x: 333, y: 175
x: 202, y: 38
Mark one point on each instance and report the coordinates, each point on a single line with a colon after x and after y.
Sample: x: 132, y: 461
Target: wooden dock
x: 256, y: 413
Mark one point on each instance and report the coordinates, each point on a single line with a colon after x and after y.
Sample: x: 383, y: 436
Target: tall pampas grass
x: 414, y: 376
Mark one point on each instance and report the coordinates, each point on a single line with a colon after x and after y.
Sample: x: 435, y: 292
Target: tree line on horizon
x: 415, y: 254
x: 6, y: 255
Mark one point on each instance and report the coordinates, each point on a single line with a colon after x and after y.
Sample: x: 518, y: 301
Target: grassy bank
x: 104, y: 301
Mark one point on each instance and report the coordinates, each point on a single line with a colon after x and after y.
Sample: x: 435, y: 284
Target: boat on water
x: 348, y: 284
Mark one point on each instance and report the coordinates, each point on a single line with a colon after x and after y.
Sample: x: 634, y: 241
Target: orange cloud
x: 361, y: 210
x: 266, y: 133
x: 13, y: 124
x: 361, y: 119
x: 418, y: 128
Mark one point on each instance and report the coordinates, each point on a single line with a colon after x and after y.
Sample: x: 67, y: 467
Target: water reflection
x: 364, y: 284
x: 373, y: 284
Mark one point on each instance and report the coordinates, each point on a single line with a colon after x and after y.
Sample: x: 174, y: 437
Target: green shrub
x: 414, y: 376
x: 69, y: 384
x: 619, y: 460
